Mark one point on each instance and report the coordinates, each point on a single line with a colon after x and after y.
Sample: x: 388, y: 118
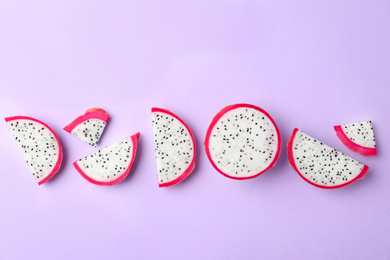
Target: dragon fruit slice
x: 40, y: 145
x: 359, y: 137
x: 321, y: 165
x: 242, y: 141
x: 89, y: 127
x: 109, y: 165
x: 175, y: 147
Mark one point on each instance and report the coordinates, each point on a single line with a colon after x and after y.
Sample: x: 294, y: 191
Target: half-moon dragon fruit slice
x: 321, y: 165
x: 109, y: 165
x: 89, y: 127
x: 359, y: 137
x: 242, y: 141
x: 40, y: 145
x: 175, y: 147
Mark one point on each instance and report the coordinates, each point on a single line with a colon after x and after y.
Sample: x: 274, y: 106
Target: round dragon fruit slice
x: 89, y: 127
x: 109, y: 165
x: 359, y: 137
x: 40, y: 145
x: 242, y: 141
x: 321, y: 165
x: 175, y: 147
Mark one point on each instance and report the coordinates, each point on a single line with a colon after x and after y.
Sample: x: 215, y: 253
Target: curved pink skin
x: 120, y: 178
x: 365, y: 151
x: 60, y: 154
x: 95, y: 113
x: 216, y: 119
x: 290, y: 158
x: 191, y: 166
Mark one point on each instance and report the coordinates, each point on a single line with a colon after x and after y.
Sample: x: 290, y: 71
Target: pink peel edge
x: 92, y: 113
x: 365, y: 151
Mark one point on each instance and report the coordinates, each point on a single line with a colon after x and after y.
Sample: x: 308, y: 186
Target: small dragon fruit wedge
x: 321, y: 165
x: 109, y: 165
x: 359, y: 137
x: 242, y: 141
x: 40, y: 145
x: 175, y: 147
x: 89, y: 127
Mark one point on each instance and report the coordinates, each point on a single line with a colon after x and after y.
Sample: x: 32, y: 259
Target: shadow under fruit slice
x: 242, y: 141
x: 109, y: 165
x: 321, y: 165
x: 175, y: 147
x: 358, y: 137
x: 89, y: 127
x: 40, y: 145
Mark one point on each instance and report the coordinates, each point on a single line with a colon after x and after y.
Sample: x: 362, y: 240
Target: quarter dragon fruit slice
x: 359, y: 137
x: 40, y: 145
x: 175, y: 147
x: 242, y: 141
x: 89, y: 127
x: 321, y: 165
x: 109, y: 165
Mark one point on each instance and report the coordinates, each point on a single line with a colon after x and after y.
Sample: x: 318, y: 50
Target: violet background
x: 310, y: 64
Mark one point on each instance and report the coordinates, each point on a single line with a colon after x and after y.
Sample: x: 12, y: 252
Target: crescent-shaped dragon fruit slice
x: 359, y: 137
x: 321, y: 165
x: 109, y: 165
x: 89, y: 127
x: 175, y: 147
x: 242, y: 141
x: 40, y: 145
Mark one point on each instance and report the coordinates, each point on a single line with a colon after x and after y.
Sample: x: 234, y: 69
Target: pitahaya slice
x: 242, y: 141
x: 359, y: 137
x: 175, y: 147
x: 89, y: 127
x: 321, y: 165
x: 40, y: 145
x: 109, y: 165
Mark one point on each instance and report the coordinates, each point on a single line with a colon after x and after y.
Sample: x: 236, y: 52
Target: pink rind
x: 216, y: 119
x: 290, y: 157
x: 191, y: 166
x: 95, y: 113
x: 365, y: 151
x: 134, y: 139
x: 57, y: 166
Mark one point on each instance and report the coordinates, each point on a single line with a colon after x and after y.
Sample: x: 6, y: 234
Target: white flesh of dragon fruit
x: 109, y: 165
x: 40, y: 145
x: 174, y: 147
x: 89, y: 131
x: 360, y: 133
x: 358, y: 137
x: 242, y: 141
x: 320, y: 164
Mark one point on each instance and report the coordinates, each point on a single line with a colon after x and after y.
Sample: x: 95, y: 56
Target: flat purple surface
x: 311, y: 65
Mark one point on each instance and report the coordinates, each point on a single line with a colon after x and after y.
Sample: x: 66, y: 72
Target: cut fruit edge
x: 57, y: 166
x: 191, y: 166
x: 134, y: 139
x: 365, y: 151
x: 93, y: 113
x: 291, y: 161
x: 214, y: 122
